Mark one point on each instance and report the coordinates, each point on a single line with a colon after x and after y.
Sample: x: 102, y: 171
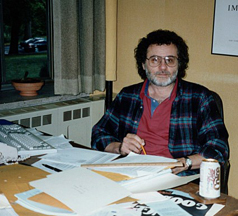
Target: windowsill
x: 10, y: 99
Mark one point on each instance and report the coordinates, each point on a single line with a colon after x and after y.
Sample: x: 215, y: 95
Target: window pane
x: 25, y: 39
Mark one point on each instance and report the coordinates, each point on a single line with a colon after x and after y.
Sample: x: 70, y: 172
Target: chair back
x: 225, y: 169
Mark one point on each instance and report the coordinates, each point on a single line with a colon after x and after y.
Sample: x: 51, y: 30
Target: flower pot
x: 28, y: 87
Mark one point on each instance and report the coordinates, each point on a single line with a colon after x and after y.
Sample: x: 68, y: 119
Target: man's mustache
x: 162, y: 73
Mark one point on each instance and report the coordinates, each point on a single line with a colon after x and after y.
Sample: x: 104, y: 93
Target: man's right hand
x: 131, y: 143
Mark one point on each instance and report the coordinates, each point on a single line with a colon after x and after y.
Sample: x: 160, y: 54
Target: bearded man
x: 165, y: 115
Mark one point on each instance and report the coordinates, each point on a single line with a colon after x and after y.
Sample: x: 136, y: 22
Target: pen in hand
x: 143, y: 149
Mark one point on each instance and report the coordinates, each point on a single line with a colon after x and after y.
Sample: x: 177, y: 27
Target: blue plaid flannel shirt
x: 196, y: 125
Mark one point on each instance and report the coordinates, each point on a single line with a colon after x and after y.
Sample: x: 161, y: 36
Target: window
x: 25, y: 39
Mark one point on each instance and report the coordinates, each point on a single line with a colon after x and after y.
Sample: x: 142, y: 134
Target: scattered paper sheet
x: 172, y: 202
x: 58, y: 165
x: 137, y: 170
x: 133, y: 158
x: 58, y: 142
x: 5, y: 207
x: 72, y: 158
x: 214, y: 209
x: 81, y: 190
x: 144, y: 178
x: 78, y: 156
x: 113, y: 210
x: 7, y: 153
x: 8, y: 212
x: 4, y: 202
x: 38, y: 207
x: 190, y: 205
x: 168, y: 208
x: 148, y: 197
x: 157, y: 182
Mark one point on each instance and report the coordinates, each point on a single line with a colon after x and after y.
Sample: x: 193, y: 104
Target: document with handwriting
x: 81, y: 190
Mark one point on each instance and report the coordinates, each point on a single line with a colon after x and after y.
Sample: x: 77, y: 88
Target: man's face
x: 162, y: 74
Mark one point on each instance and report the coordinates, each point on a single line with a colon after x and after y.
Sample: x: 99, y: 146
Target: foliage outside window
x: 25, y: 39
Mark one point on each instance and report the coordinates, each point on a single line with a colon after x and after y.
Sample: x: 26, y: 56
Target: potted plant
x: 27, y: 86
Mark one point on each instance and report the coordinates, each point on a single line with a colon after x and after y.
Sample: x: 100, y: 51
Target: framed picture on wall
x: 225, y: 28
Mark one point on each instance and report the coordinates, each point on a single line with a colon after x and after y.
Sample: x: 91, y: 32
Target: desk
x: 16, y: 185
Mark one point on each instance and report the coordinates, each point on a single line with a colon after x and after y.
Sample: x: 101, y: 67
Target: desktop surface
x: 15, y: 178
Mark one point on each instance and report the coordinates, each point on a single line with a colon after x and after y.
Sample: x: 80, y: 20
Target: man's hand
x: 196, y: 161
x: 131, y: 143
x: 177, y: 170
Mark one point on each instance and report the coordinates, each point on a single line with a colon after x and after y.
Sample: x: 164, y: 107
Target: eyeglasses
x: 155, y: 61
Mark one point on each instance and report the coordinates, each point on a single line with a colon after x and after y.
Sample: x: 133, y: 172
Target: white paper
x: 149, y: 197
x: 78, y: 156
x: 214, y: 209
x: 168, y: 208
x: 137, y: 171
x: 59, y: 142
x: 4, y: 202
x: 8, y: 212
x: 23, y: 200
x: 225, y: 33
x: 144, y: 178
x: 58, y: 165
x: 158, y: 182
x: 81, y: 190
x: 7, y: 153
x: 162, y: 208
x: 5, y: 207
x: 113, y: 210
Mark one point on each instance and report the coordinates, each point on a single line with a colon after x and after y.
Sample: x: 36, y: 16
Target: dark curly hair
x: 162, y: 37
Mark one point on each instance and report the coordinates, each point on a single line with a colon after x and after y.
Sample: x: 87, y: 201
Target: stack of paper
x: 146, y: 178
x: 83, y: 192
x: 24, y: 200
x: 73, y: 157
x: 80, y: 189
x: 166, y: 203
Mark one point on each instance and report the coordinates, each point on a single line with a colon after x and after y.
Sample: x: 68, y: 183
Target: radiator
x: 73, y: 118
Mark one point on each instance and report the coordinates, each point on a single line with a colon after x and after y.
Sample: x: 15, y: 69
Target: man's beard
x: 153, y: 79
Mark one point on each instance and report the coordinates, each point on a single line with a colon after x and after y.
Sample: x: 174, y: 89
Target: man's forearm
x: 113, y: 147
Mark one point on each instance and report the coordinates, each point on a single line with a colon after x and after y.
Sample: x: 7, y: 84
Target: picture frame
x: 225, y: 28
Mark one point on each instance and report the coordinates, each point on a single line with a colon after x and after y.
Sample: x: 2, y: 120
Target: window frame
x: 2, y: 71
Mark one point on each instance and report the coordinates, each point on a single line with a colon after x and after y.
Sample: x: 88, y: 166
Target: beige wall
x: 193, y: 20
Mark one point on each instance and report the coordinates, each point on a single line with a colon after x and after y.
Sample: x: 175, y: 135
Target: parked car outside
x: 40, y: 45
x: 34, y: 45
